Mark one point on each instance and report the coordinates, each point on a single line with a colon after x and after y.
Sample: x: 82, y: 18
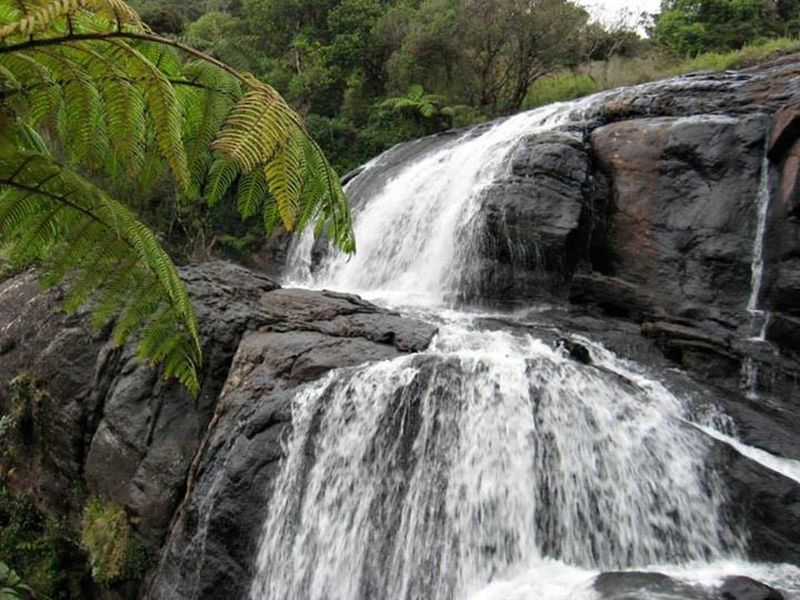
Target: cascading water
x: 492, y: 466
x: 759, y: 319
x: 433, y: 475
x: 414, y: 236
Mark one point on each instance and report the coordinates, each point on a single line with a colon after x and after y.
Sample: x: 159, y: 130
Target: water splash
x: 431, y: 476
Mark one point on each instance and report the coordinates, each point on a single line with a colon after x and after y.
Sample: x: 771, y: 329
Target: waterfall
x: 759, y: 319
x: 494, y: 465
x: 414, y: 236
x: 430, y: 476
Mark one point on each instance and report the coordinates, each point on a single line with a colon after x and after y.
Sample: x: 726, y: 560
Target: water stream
x: 493, y: 466
x: 760, y: 317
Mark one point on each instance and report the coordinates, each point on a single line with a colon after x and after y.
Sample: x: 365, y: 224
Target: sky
x: 609, y: 11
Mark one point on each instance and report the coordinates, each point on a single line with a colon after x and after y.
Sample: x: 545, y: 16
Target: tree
x: 487, y: 53
x: 692, y: 26
x: 88, y: 91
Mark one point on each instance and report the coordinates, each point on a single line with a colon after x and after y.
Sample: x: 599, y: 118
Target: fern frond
x: 101, y: 251
x: 285, y: 175
x: 255, y: 128
x: 252, y: 194
x: 45, y: 14
x: 206, y: 100
x: 80, y: 113
x: 111, y: 91
x: 163, y: 108
x: 221, y: 176
x: 39, y: 91
x: 123, y: 105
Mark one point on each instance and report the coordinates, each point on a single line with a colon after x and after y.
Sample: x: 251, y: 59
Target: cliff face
x: 639, y: 221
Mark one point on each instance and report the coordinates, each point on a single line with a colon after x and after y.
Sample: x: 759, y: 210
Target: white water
x: 414, y: 236
x: 491, y: 467
x: 784, y: 466
x: 434, y: 475
x: 760, y: 317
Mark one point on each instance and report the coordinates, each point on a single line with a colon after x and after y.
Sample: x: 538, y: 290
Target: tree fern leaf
x: 43, y: 17
x: 221, y: 176
x: 252, y: 193
x: 164, y: 110
x: 258, y: 123
x: 285, y: 175
x: 31, y: 219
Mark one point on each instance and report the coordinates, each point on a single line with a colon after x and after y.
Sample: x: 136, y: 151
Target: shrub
x: 106, y: 535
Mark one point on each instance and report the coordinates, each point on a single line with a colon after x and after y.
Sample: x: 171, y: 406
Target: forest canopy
x: 369, y: 73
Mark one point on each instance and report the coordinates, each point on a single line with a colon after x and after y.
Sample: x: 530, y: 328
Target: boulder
x: 634, y: 585
x: 744, y: 588
x: 532, y: 235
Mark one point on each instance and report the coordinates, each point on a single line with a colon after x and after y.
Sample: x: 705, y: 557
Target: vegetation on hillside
x: 341, y: 62
x: 90, y: 95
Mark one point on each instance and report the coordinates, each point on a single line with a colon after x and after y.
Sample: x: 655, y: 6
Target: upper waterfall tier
x: 417, y: 234
x: 650, y: 203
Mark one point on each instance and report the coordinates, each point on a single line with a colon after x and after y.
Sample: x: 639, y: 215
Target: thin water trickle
x: 760, y: 318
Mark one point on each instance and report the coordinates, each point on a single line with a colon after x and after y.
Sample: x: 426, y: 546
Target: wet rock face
x: 212, y: 548
x: 683, y: 215
x: 116, y: 429
x: 532, y: 232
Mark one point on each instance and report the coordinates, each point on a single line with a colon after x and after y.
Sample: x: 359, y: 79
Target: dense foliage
x: 369, y: 73
x: 339, y: 60
x: 695, y: 26
x: 89, y: 94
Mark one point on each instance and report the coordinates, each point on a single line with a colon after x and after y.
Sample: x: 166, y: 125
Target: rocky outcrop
x: 632, y: 585
x: 111, y: 427
x: 530, y: 219
x: 682, y: 222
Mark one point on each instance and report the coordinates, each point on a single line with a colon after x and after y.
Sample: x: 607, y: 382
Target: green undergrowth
x: 107, y: 537
x: 750, y: 55
x: 569, y: 85
x: 57, y: 556
x: 39, y: 548
x: 25, y: 427
x: 11, y: 585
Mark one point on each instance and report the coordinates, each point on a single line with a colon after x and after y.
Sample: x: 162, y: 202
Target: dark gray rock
x: 762, y: 502
x: 62, y: 358
x: 116, y: 429
x: 212, y: 546
x: 744, y: 588
x: 633, y: 585
x: 532, y: 235
x: 684, y: 209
